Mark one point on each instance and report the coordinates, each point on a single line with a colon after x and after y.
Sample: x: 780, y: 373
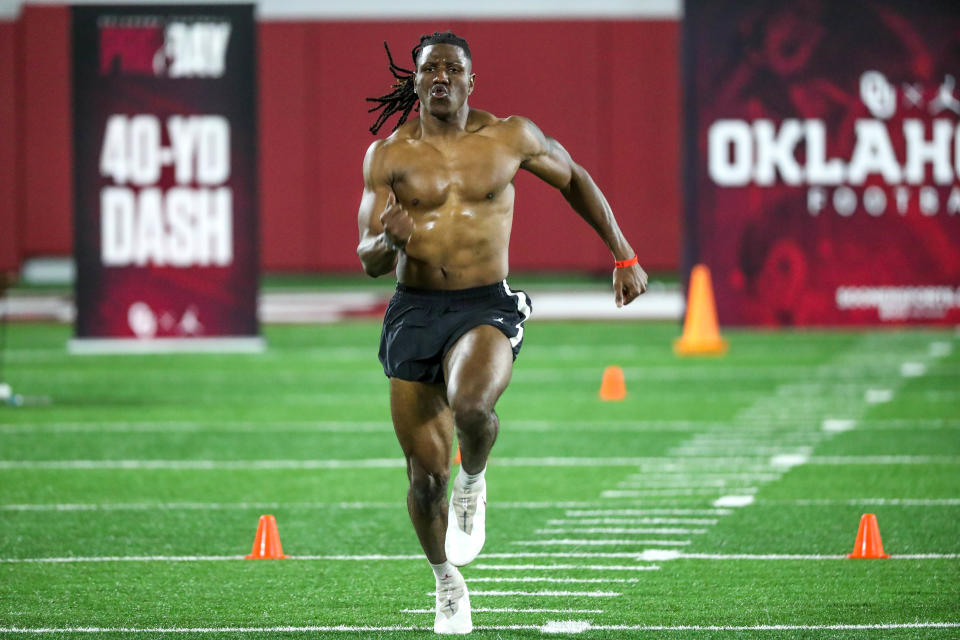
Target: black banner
x: 166, y: 239
x: 823, y: 159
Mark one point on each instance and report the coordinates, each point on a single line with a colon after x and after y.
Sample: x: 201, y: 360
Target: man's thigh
x: 422, y: 421
x: 478, y: 367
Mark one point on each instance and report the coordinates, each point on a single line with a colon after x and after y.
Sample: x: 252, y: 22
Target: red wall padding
x: 46, y: 139
x: 607, y: 90
x: 286, y: 238
x: 8, y: 147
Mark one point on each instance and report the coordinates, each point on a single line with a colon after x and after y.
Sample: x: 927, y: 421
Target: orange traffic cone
x: 456, y: 460
x: 701, y: 335
x: 266, y: 544
x: 868, y: 544
x: 613, y: 387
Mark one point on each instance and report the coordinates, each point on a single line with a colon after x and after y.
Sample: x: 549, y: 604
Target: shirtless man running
x: 437, y: 206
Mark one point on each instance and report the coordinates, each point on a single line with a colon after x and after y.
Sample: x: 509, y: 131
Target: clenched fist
x: 397, y: 223
x: 628, y: 283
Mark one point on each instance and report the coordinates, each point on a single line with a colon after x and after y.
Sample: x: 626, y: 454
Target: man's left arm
x: 546, y: 158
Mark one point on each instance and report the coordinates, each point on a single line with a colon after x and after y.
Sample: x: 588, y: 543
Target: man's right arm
x: 378, y: 250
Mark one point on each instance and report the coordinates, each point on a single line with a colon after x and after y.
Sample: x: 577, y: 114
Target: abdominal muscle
x: 457, y: 247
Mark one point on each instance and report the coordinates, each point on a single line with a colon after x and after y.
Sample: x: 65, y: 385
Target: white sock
x: 467, y: 480
x: 444, y: 571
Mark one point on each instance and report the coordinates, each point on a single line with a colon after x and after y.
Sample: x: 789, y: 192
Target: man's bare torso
x: 459, y: 192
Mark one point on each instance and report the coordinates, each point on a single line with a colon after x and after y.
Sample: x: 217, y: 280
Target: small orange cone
x: 266, y: 544
x: 701, y: 335
x: 868, y: 544
x: 613, y: 388
x: 456, y: 460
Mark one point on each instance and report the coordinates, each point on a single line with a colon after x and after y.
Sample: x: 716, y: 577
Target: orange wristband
x: 623, y: 264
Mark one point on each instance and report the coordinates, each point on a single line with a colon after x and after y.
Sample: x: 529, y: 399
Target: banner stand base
x: 133, y: 346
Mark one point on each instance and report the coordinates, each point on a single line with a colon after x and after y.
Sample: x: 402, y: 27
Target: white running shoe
x: 453, y: 606
x: 466, y: 523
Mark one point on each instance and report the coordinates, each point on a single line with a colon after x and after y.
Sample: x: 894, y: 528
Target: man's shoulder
x: 485, y: 120
x: 518, y: 132
x: 403, y: 134
x: 479, y: 119
x: 383, y: 148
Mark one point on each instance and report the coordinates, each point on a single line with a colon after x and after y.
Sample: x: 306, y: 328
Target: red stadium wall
x: 8, y: 147
x: 608, y: 90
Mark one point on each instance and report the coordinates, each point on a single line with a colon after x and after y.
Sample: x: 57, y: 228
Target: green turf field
x: 128, y: 501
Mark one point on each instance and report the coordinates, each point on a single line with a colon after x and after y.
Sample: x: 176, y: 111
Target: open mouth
x: 439, y: 91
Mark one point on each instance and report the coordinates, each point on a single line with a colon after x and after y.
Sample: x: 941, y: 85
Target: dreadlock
x: 403, y: 98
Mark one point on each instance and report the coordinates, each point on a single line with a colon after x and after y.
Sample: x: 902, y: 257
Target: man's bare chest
x: 471, y: 170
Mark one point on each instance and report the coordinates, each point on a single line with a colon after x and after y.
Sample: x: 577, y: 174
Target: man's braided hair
x: 403, y: 98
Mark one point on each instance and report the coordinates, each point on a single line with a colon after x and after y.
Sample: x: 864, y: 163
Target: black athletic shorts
x: 421, y: 325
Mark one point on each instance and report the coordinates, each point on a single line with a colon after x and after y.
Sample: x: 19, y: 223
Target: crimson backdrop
x: 608, y: 90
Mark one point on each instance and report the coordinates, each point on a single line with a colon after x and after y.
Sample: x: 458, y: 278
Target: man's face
x: 444, y: 78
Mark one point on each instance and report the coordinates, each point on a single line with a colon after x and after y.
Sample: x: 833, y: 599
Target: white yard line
x: 579, y: 626
x: 775, y: 556
x: 733, y: 501
x: 395, y: 463
x: 566, y: 627
x: 649, y: 555
x: 786, y: 461
x: 617, y: 461
x: 555, y: 580
x: 878, y: 396
x: 339, y: 426
x: 902, y: 502
x: 569, y: 504
x: 203, y: 465
x: 208, y: 506
x: 748, y: 437
x: 193, y: 506
x: 838, y: 425
x: 691, y: 477
x: 291, y: 629
x: 639, y: 556
x: 508, y: 610
x: 685, y: 484
x: 699, y: 450
x: 83, y: 559
x: 218, y: 427
x: 643, y: 493
x: 619, y: 555
x: 573, y: 513
x: 677, y: 531
x: 913, y: 369
x: 545, y: 594
x: 564, y: 567
x: 634, y: 521
x: 548, y: 627
x: 882, y: 460
x: 567, y: 542
x: 769, y: 425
